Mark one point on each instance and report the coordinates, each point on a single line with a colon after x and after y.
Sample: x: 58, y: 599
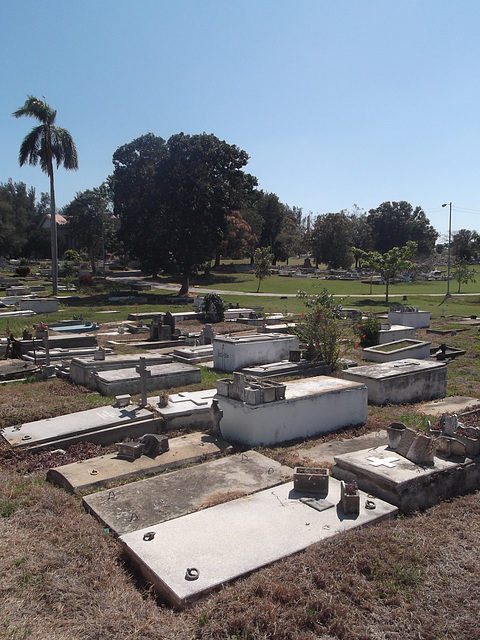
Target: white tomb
x: 232, y: 353
x: 309, y: 407
x: 395, y: 332
x: 410, y: 317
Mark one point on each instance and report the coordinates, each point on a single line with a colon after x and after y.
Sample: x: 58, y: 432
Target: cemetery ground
x: 62, y: 576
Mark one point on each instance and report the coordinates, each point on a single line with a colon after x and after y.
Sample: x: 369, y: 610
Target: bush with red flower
x: 367, y: 330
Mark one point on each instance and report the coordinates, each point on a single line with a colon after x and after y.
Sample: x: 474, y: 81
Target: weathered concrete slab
x: 453, y: 404
x: 326, y: 451
x: 172, y: 495
x: 403, y: 381
x: 109, y: 470
x: 64, y: 428
x: 62, y: 342
x: 187, y: 409
x: 311, y: 406
x: 230, y: 540
x: 194, y: 355
x: 403, y: 483
x: 287, y: 368
x: 162, y: 376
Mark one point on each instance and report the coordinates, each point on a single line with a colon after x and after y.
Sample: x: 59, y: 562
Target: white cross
x: 386, y: 462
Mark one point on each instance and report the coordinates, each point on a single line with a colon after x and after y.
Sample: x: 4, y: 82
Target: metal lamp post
x: 449, y: 246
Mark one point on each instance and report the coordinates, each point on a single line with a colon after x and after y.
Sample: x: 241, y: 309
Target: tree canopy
x: 173, y: 198
x: 392, y: 262
x: 331, y: 240
x: 393, y: 224
x: 91, y: 224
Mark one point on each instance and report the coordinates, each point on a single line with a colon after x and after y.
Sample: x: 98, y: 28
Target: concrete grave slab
x: 194, y: 355
x: 163, y: 376
x: 403, y: 483
x: 230, y: 540
x: 74, y: 427
x: 311, y: 406
x: 287, y: 368
x: 172, y: 495
x: 403, y: 381
x: 109, y: 469
x: 187, y: 409
x: 326, y: 451
x: 453, y: 404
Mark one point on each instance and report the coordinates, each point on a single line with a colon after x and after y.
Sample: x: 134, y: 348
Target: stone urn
x: 349, y: 497
x: 394, y: 434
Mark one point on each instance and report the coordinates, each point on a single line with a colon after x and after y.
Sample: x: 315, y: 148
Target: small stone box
x: 311, y: 480
x: 130, y: 450
x: 349, y: 497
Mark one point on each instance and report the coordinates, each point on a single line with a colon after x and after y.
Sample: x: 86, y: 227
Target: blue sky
x: 336, y: 102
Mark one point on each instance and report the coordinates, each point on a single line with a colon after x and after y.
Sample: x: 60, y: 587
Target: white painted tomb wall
x: 233, y: 353
x: 311, y: 406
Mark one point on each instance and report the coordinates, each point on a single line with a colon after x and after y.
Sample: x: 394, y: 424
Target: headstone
x: 144, y: 373
x: 217, y: 415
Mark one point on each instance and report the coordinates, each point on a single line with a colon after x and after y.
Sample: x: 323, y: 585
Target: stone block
x: 311, y: 480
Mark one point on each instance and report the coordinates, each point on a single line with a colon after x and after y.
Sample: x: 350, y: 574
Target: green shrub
x: 368, y: 330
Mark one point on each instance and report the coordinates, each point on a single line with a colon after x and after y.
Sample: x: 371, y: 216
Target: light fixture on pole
x: 449, y: 246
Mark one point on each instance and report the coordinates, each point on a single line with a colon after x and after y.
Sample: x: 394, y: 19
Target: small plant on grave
x: 213, y: 307
x: 320, y: 328
x: 163, y: 399
x: 351, y: 488
x: 22, y: 270
x: 367, y: 330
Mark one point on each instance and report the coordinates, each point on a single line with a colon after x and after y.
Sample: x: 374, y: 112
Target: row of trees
x: 180, y: 203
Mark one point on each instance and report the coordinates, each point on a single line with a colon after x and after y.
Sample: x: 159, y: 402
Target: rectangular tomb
x: 398, y: 350
x: 187, y: 409
x: 231, y: 353
x: 172, y: 495
x: 223, y: 543
x: 403, y: 381
x: 163, y: 376
x: 310, y: 407
x: 73, y: 427
x: 110, y: 470
x: 410, y: 318
x: 82, y: 369
x: 409, y: 486
x: 396, y: 332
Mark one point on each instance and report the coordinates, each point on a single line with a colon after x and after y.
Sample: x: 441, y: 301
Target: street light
x: 449, y: 246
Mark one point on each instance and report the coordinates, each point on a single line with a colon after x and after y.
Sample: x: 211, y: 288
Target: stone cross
x: 385, y: 462
x: 144, y: 373
x: 223, y: 355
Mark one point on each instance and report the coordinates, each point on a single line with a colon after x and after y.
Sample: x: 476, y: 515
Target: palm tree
x: 47, y: 143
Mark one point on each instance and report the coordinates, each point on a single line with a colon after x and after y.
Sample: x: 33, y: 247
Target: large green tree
x: 331, y: 240
x: 47, y: 144
x: 91, y: 223
x: 173, y: 199
x: 393, y: 224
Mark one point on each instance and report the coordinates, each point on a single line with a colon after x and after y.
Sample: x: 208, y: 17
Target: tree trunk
x: 53, y: 231
x: 386, y: 290
x: 185, y: 285
x: 217, y: 260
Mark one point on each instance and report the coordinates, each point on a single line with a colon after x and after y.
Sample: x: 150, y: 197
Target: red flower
x: 356, y: 346
x: 364, y: 335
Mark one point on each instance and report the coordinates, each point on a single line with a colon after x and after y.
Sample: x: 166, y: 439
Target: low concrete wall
x: 40, y: 305
x: 311, y: 406
x: 82, y: 369
x: 164, y: 376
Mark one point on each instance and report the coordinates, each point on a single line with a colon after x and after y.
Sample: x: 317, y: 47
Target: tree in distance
x: 47, y: 144
x: 390, y: 263
x: 91, y: 224
x: 393, y: 224
x: 463, y: 273
x: 262, y: 262
x: 173, y: 199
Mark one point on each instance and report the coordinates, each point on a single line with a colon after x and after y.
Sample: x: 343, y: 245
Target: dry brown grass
x: 63, y: 578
